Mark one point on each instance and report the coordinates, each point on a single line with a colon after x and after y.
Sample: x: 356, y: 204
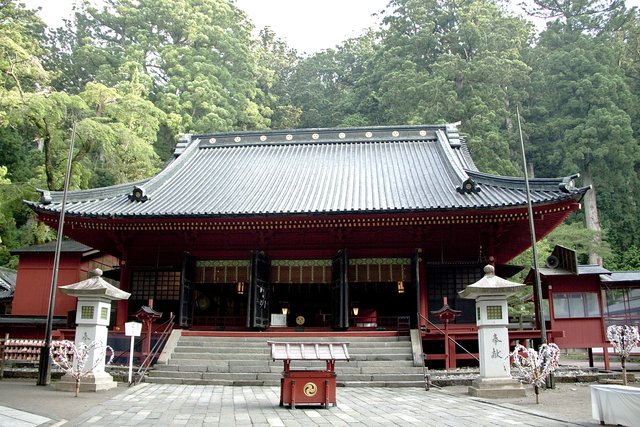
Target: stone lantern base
x: 92, y: 382
x: 495, y: 388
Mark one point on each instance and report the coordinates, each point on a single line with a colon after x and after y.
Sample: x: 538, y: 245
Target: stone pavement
x: 164, y: 405
x: 13, y: 417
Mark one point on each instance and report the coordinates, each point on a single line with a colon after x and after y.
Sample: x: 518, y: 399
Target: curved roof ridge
x: 163, y: 176
x: 455, y: 169
x: 55, y: 197
x: 564, y: 183
x: 117, y: 190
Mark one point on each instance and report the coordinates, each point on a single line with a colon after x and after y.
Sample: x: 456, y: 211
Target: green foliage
x: 196, y: 56
x: 275, y: 65
x: 131, y: 74
x: 574, y: 236
x: 580, y: 113
x: 457, y: 61
x: 628, y: 259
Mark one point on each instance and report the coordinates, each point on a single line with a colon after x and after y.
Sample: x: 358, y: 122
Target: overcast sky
x: 307, y: 25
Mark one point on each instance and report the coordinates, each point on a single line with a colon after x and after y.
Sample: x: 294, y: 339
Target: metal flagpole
x: 532, y: 230
x: 44, y: 364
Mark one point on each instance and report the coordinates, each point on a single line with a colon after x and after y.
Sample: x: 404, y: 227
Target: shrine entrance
x: 331, y: 294
x: 302, y: 305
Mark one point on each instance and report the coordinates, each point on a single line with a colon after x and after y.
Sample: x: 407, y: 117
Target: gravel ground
x: 567, y: 401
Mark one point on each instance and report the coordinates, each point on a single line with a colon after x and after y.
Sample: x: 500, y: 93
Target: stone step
x: 266, y: 351
x: 249, y: 340
x: 263, y: 344
x: 187, y: 371
x: 375, y: 361
x: 251, y: 357
x: 188, y: 365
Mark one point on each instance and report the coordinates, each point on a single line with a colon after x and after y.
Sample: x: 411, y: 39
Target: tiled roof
x: 7, y: 282
x: 66, y: 246
x: 583, y: 270
x: 621, y: 276
x: 350, y: 170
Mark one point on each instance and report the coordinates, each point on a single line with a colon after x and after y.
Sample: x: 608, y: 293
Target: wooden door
x: 259, y: 293
x: 340, y: 290
x: 185, y: 317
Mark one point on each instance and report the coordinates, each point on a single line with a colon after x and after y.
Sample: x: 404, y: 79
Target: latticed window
x: 159, y: 285
x: 86, y: 312
x: 447, y: 282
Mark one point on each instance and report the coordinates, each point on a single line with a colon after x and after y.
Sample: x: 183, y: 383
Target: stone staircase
x: 376, y: 361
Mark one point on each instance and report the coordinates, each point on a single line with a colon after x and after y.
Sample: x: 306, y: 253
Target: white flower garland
x: 535, y: 366
x: 64, y: 353
x: 623, y: 338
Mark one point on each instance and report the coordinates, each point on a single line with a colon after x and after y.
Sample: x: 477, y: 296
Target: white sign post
x: 132, y: 329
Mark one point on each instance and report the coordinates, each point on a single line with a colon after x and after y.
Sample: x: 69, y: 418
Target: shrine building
x: 313, y: 229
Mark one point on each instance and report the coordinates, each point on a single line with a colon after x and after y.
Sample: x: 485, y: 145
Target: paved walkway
x: 164, y: 405
x: 13, y: 417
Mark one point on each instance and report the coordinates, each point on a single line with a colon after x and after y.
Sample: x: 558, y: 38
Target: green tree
x: 116, y: 128
x: 276, y: 63
x: 579, y: 114
x: 456, y: 60
x: 333, y: 87
x: 196, y: 55
x: 629, y: 259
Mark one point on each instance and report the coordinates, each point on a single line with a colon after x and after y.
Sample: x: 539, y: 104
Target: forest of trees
x: 132, y: 75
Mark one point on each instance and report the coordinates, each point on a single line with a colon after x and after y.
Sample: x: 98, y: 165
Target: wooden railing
x: 155, y: 351
x: 450, y: 356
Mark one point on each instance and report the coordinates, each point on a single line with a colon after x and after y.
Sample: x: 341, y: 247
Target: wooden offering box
x: 304, y: 386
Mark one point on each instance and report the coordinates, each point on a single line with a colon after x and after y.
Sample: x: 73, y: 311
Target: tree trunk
x: 591, y: 214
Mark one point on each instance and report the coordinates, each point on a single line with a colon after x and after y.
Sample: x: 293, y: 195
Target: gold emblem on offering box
x: 310, y: 389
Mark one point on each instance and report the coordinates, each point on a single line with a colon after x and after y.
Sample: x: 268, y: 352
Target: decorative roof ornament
x: 468, y: 186
x: 568, y: 183
x: 138, y: 195
x: 45, y: 197
x: 490, y: 284
x: 446, y: 313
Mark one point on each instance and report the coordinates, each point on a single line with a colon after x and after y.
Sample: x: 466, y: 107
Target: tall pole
x: 532, y: 230
x: 44, y: 364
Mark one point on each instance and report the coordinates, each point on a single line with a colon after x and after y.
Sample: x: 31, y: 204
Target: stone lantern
x: 93, y: 314
x: 492, y: 318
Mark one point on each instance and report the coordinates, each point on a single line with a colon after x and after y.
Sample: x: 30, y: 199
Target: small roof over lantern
x: 94, y: 286
x: 490, y: 285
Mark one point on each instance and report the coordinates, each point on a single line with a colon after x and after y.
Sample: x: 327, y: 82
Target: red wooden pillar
x: 424, y: 297
x: 453, y: 354
x: 122, y: 306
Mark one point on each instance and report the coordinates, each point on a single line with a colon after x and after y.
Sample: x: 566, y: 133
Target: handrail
x: 157, y: 347
x: 448, y: 336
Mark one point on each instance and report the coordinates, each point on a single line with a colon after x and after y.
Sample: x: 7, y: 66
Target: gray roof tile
x: 385, y: 169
